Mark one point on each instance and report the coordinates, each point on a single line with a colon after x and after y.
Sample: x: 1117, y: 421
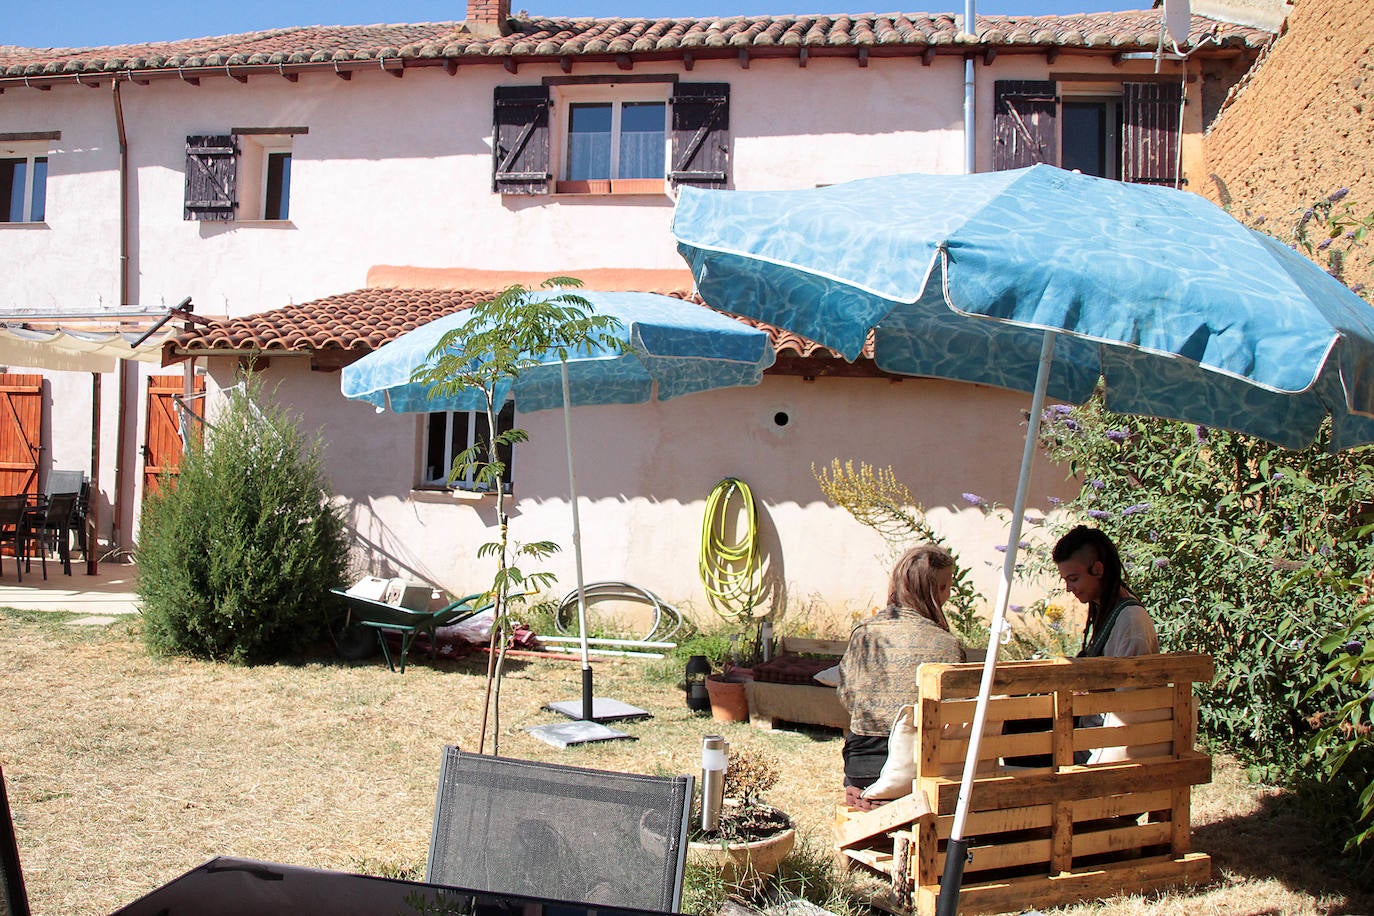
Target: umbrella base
x: 604, y: 709
x: 567, y: 734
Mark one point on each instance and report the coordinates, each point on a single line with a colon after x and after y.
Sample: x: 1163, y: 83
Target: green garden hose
x: 731, y: 568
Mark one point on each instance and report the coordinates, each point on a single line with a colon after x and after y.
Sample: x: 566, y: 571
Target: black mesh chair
x: 560, y: 832
x: 14, y: 528
x: 53, y: 526
x: 13, y: 900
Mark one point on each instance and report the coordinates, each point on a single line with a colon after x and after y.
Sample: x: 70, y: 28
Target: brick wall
x: 1303, y: 126
x: 488, y: 12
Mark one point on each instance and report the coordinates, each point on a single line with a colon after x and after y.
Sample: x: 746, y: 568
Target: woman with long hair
x: 878, y: 671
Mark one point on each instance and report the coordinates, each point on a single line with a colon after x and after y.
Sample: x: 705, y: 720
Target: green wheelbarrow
x: 388, y: 618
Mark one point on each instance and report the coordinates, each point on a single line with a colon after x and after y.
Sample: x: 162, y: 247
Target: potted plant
x: 752, y: 837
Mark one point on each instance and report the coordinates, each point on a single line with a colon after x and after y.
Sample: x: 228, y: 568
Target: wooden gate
x: 21, y: 425
x: 162, y: 444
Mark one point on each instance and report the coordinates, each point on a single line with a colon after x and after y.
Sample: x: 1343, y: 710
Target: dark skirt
x: 864, y: 756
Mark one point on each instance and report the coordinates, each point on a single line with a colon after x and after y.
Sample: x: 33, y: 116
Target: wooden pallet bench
x: 1051, y: 834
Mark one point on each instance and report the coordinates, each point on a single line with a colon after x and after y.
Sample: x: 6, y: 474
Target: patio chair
x: 52, y: 525
x: 388, y: 618
x: 560, y: 832
x: 63, y: 482
x: 14, y: 529
x: 13, y: 899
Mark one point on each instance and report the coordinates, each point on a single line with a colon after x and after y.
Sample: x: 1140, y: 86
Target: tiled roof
x: 350, y: 325
x: 432, y: 43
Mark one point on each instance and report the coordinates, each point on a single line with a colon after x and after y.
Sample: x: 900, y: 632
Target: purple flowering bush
x: 1253, y: 554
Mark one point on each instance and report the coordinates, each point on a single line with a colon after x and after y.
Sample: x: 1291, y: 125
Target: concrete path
x: 109, y: 592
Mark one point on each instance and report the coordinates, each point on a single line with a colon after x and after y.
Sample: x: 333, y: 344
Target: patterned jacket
x: 878, y: 671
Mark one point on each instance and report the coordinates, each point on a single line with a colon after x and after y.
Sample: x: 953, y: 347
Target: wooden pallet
x: 1054, y: 834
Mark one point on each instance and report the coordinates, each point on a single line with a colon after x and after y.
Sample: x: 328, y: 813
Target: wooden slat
x: 1003, y: 820
x: 802, y: 646
x: 991, y: 857
x: 1017, y: 894
x: 857, y: 826
x: 1086, y: 704
x: 1080, y: 782
x: 1120, y: 839
x: 872, y: 858
x: 1079, y: 674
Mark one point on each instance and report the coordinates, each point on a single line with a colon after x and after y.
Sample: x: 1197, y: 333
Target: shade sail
x: 72, y: 350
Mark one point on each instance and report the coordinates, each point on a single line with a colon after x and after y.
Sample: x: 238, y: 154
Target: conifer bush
x: 236, y: 554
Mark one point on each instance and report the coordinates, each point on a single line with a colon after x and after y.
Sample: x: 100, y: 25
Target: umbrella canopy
x: 1183, y: 311
x: 671, y: 348
x: 674, y: 348
x: 1046, y: 281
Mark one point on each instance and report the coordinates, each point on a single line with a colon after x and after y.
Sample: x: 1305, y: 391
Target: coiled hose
x: 730, y: 565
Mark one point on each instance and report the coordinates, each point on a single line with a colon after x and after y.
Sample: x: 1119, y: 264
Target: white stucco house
x: 317, y: 191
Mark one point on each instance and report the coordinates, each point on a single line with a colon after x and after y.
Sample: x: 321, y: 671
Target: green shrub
x: 237, y: 552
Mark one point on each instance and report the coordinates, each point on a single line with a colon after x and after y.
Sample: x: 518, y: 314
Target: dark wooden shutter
x: 701, y: 135
x: 1150, y: 134
x: 520, y: 140
x: 1025, y: 124
x: 212, y: 177
x: 21, y: 425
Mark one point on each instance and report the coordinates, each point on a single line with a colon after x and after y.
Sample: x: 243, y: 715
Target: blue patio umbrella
x: 669, y: 348
x: 1047, y: 281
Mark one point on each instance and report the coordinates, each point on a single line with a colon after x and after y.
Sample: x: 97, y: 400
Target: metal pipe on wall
x: 970, y: 93
x: 122, y: 369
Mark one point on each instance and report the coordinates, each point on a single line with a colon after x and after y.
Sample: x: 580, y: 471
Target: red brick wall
x: 1303, y: 126
x: 489, y: 12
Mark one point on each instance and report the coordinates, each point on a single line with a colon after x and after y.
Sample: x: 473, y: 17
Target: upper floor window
x: 1090, y: 136
x: 448, y: 435
x: 624, y: 137
x: 1133, y: 136
x: 612, y: 136
x: 23, y: 182
x: 243, y: 175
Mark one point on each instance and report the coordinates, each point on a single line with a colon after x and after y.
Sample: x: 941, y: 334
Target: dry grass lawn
x: 126, y: 770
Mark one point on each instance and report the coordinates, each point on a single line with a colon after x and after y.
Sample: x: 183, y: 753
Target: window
x: 612, y: 138
x: 1133, y: 136
x: 608, y: 140
x: 1090, y: 136
x: 243, y: 175
x: 447, y: 435
x: 23, y: 182
x: 577, y: 136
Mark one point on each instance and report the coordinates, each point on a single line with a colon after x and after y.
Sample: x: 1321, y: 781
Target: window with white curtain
x: 612, y: 137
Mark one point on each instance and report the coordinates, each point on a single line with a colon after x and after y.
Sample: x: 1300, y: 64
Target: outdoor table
x: 227, y: 886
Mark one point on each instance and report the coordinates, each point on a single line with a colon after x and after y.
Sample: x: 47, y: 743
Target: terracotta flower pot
x: 744, y: 865
x: 729, y: 702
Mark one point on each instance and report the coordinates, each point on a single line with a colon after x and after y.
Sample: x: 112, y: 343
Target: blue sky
x: 79, y: 23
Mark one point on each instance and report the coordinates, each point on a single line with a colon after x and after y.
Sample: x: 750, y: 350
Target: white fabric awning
x: 77, y: 351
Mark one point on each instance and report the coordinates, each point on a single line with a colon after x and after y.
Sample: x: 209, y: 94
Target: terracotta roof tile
x: 356, y: 323
x: 547, y: 38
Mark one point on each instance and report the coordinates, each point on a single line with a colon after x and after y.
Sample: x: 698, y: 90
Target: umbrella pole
x: 577, y: 550
x: 956, y: 856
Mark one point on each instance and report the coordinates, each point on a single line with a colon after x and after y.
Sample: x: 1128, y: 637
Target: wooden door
x: 21, y: 425
x: 162, y: 444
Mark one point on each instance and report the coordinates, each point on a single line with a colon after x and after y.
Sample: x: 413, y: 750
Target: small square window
x: 23, y: 183
x: 448, y: 434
